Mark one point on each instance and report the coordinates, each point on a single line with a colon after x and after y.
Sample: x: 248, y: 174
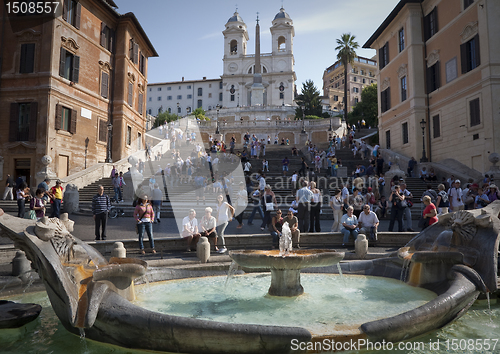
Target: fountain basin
x: 285, y: 269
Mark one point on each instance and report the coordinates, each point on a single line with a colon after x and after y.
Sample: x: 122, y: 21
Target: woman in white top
x: 225, y: 213
x: 208, y: 226
x: 314, y: 223
x: 336, y: 205
x: 241, y: 204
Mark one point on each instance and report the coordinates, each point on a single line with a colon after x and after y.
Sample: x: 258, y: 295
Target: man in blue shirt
x: 100, y: 207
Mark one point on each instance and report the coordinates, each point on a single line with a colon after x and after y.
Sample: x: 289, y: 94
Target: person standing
x: 44, y: 185
x: 411, y: 166
x: 22, y: 192
x: 256, y: 207
x: 304, y: 198
x: 456, y: 197
x: 100, y: 208
x: 241, y: 204
x: 407, y: 210
x: 395, y: 199
x: 37, y: 204
x: 269, y: 203
x: 143, y: 214
x: 225, y: 213
x: 56, y: 196
x: 429, y: 214
x: 336, y: 205
x: 314, y: 222
x: 116, y: 187
x: 285, y: 164
x: 157, y: 198
x: 9, y: 187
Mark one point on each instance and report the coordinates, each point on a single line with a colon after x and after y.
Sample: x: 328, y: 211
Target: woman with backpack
x: 442, y: 200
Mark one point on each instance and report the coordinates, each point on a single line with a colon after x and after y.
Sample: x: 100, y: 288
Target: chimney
x: 204, y: 78
x: 183, y: 78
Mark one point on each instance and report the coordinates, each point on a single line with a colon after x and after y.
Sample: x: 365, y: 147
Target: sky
x: 187, y: 34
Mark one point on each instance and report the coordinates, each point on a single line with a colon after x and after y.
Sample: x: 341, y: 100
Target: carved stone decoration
x: 403, y: 70
x: 131, y: 76
x: 105, y: 66
x: 28, y: 35
x: 385, y: 84
x: 468, y: 32
x: 462, y: 224
x: 69, y: 44
x: 432, y: 58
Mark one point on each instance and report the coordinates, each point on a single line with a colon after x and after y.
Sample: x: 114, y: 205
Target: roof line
x: 181, y: 82
x: 388, y: 20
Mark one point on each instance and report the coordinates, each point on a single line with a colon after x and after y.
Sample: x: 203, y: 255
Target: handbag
x: 136, y: 227
x: 269, y: 206
x: 30, y: 214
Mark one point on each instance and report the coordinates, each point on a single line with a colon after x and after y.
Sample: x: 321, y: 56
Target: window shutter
x: 62, y: 62
x: 78, y: 15
x: 14, y: 121
x: 136, y: 53
x: 428, y: 79
x: 22, y: 66
x: 426, y: 28
x: 58, y: 116
x: 103, y: 34
x: 386, y: 53
x: 388, y: 90
x: 102, y: 130
x: 381, y: 58
x: 111, y: 35
x: 141, y: 98
x: 33, y: 121
x: 438, y: 75
x: 30, y: 57
x: 131, y: 54
x: 104, y: 85
x: 477, y: 53
x: 130, y: 88
x: 65, y: 10
x: 382, y: 102
x: 76, y: 69
x: 434, y: 14
x: 72, y: 124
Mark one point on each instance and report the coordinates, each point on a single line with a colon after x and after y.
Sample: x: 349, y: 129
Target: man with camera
x: 456, y: 197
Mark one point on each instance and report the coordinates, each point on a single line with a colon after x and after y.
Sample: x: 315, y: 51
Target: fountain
x: 285, y: 264
x: 455, y: 258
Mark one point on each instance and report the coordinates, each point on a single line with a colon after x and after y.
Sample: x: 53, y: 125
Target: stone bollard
x: 119, y: 250
x: 361, y: 246
x: 203, y: 249
x: 71, y: 199
x: 20, y: 264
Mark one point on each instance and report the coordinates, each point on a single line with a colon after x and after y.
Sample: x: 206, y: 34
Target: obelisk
x: 257, y: 87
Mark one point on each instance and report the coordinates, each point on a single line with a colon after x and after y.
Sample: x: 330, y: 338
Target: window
x: 180, y: 87
x: 139, y: 141
x: 401, y: 39
x: 469, y: 54
x: 66, y: 119
x: 168, y: 88
x: 188, y: 110
x: 150, y: 111
x: 405, y: 133
x: 388, y: 139
x: 200, y: 91
x: 140, y: 103
x: 27, y: 64
x: 335, y: 98
x: 403, y: 88
x: 220, y: 85
x: 475, y: 118
x: 103, y: 130
x: 179, y: 97
x: 142, y: 64
x: 69, y: 66
x: 169, y: 98
x: 23, y: 121
x: 468, y: 3
x: 159, y: 98
x: 436, y: 128
x: 104, y: 84
x: 232, y: 98
x: 210, y: 95
x: 430, y: 24
x: 383, y: 56
x: 150, y: 89
x: 150, y: 99
x: 282, y: 96
x: 209, y: 85
x: 169, y: 110
x: 354, y: 79
x: 371, y: 81
x: 129, y: 135
x: 233, y: 47
x: 220, y: 96
x: 356, y: 100
x: 107, y: 37
x: 364, y: 81
x: 133, y: 51
x: 433, y: 78
x: 179, y: 110
x: 159, y: 88
x: 189, y: 96
x: 189, y: 87
x: 200, y: 103
x: 71, y: 12
x: 130, y: 93
x: 355, y: 89
x: 385, y: 99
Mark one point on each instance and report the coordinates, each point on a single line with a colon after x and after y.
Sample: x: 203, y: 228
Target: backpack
x: 372, y: 199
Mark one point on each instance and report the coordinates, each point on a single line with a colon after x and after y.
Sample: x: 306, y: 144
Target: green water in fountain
x: 47, y: 335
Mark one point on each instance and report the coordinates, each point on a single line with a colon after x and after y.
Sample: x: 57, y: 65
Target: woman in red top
x: 144, y: 215
x: 430, y: 211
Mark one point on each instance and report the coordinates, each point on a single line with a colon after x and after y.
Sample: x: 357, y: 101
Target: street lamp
x: 303, y: 106
x: 217, y: 129
x: 422, y: 125
x: 108, y: 150
x: 86, y: 148
x: 330, y: 114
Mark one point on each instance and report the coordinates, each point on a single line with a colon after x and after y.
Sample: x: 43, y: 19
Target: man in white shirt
x: 345, y: 195
x: 456, y: 195
x: 262, y: 183
x: 368, y: 221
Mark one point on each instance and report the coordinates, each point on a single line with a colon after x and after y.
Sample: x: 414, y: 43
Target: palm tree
x: 347, y: 52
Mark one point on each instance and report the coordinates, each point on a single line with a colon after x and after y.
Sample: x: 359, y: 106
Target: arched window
x: 169, y: 110
x: 263, y: 69
x: 234, y: 46
x: 281, y: 44
x: 188, y: 110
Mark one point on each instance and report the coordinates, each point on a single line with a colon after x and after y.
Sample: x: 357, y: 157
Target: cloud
x: 211, y: 35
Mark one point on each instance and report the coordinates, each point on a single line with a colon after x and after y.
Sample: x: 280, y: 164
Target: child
x: 265, y: 165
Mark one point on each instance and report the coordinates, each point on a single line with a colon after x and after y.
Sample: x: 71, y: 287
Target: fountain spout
x: 285, y: 240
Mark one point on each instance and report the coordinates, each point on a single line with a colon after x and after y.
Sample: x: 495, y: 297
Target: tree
x: 347, y: 52
x: 199, y: 113
x: 367, y: 108
x: 310, y: 99
x: 163, y: 117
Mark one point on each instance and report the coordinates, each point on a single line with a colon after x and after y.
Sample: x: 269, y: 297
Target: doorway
x: 23, y: 169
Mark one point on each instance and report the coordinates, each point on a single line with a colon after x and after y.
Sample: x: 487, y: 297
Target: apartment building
x: 439, y: 81
x: 73, y: 87
x: 359, y: 75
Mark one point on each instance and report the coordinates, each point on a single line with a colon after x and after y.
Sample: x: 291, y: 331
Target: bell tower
x: 235, y: 37
x: 282, y: 33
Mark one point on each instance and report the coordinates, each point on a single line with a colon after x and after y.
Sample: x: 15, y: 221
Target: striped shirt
x: 100, y: 204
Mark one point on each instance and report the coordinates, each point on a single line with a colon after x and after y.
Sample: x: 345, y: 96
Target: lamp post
x: 330, y: 114
x: 108, y: 150
x: 303, y: 106
x: 86, y: 147
x: 217, y: 128
x: 422, y: 125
